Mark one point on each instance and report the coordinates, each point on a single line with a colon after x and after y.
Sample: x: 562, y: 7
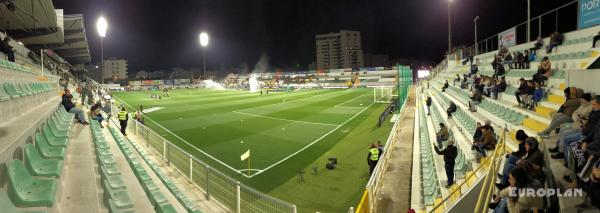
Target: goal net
x: 383, y: 94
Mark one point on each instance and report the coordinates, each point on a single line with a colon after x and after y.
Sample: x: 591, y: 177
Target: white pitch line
x: 315, y: 141
x: 283, y: 119
x: 349, y: 100
x: 185, y: 141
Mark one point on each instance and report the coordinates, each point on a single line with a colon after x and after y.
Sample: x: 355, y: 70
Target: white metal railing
x: 231, y: 193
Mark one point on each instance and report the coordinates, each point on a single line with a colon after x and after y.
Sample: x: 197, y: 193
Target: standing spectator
x: 123, y: 118
x: 532, y: 57
x: 526, y: 59
x: 7, y: 49
x: 96, y: 113
x: 544, y: 71
x: 520, y: 60
x: 442, y: 135
x: 508, y: 59
x: 555, y: 39
x: 475, y: 100
x: 449, y: 153
x: 487, y: 142
x: 67, y: 102
x: 372, y: 158
x: 451, y: 109
x: 565, y: 111
x: 139, y: 115
x: 428, y: 103
x: 84, y: 91
x: 446, y: 85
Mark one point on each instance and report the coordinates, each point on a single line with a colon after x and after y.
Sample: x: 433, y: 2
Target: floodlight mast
x: 102, y: 26
x: 204, y: 43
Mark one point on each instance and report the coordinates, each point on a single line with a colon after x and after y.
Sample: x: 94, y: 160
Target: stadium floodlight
x: 204, y: 43
x: 449, y: 27
x: 102, y: 25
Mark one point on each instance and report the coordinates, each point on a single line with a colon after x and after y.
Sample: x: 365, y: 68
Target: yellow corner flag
x: 245, y: 155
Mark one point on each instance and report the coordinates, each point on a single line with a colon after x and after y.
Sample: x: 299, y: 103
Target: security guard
x: 123, y: 117
x: 372, y: 158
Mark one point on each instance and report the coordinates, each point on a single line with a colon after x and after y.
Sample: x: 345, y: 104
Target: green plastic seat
x: 3, y: 95
x: 38, y: 166
x: 26, y: 191
x: 120, y: 198
x: 53, y: 140
x: 46, y: 150
x: 7, y: 206
x: 114, y: 181
x: 157, y: 198
x: 165, y: 208
x: 11, y: 91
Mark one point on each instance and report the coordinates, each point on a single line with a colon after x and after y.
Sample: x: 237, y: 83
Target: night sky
x: 159, y: 34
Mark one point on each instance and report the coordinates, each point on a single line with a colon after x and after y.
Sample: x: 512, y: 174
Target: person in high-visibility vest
x: 373, y: 157
x: 123, y: 117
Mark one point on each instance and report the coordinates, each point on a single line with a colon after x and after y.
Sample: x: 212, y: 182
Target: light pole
x: 449, y: 27
x: 529, y: 20
x: 102, y: 25
x: 476, y: 45
x: 204, y: 43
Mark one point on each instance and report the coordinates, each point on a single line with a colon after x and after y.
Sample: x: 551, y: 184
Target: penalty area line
x: 283, y: 119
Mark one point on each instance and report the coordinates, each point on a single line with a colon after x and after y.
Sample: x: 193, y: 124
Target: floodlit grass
x: 285, y: 133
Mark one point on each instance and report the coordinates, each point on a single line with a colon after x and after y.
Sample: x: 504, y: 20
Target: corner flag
x: 245, y: 155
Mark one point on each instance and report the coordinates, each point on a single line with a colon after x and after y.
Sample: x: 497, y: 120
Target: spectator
x: 596, y: 38
x: 442, y: 135
x: 487, y: 142
x: 579, y: 117
x: 538, y: 94
x: 446, y: 85
x: 555, y: 39
x: 451, y: 109
x: 592, y: 189
x: 474, y: 68
x: 533, y: 160
x: 527, y: 95
x: 499, y: 88
x: 513, y: 157
x: 67, y: 102
x: 565, y: 111
x: 449, y: 153
x: 373, y: 158
x: 428, y: 103
x: 526, y: 59
x: 532, y: 57
x: 520, y: 60
x: 456, y: 79
x: 139, y: 115
x: 475, y: 100
x: 544, y: 71
x: 7, y: 49
x: 521, y: 90
x: 572, y: 144
x: 510, y: 199
x: 488, y: 123
x: 96, y: 113
x: 478, y: 133
x: 380, y: 147
x: 508, y: 59
x: 538, y: 45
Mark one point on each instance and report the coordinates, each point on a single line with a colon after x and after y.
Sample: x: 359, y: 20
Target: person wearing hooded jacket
x: 533, y: 160
x: 572, y: 95
x: 515, y: 156
x: 580, y: 117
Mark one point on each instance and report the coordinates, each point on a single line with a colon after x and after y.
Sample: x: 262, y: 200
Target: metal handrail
x: 481, y: 165
x: 488, y: 186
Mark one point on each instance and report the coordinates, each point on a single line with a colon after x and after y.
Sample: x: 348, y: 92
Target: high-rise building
x: 115, y: 69
x: 339, y: 50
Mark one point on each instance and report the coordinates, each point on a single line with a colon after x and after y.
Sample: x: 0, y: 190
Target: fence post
x: 207, y: 182
x: 370, y: 196
x: 165, y: 151
x: 238, y: 200
x: 191, y: 169
x: 294, y: 210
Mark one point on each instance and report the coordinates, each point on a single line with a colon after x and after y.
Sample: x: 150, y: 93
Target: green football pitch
x: 285, y: 132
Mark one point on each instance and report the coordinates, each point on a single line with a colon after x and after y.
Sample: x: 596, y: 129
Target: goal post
x: 383, y: 94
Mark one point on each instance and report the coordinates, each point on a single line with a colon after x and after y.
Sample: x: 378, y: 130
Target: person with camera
x: 449, y: 153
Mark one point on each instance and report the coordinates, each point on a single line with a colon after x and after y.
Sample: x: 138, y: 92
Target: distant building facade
x: 115, y: 69
x: 376, y: 60
x: 339, y: 50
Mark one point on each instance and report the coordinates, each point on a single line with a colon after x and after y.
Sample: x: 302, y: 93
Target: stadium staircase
x: 574, y: 53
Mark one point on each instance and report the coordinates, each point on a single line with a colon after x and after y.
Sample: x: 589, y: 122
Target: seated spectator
x: 446, y: 85
x: 488, y: 123
x: 580, y: 117
x: 478, y: 133
x: 464, y: 84
x: 526, y: 59
x: 500, y: 87
x: 538, y: 94
x: 506, y: 201
x: 521, y: 90
x: 487, y: 142
x: 514, y: 157
x: 96, y: 113
x: 527, y: 95
x: 564, y: 113
x: 544, y: 71
x: 538, y: 45
x: 592, y: 190
x: 532, y: 159
x: 67, y: 102
x: 596, y: 38
x: 555, y: 39
x: 508, y: 60
x: 442, y: 135
x: 475, y: 99
x: 451, y: 109
x: 456, y: 79
x: 474, y: 69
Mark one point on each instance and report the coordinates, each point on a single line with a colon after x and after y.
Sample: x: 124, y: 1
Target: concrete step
x: 562, y: 86
x: 534, y: 124
x: 557, y: 99
x: 544, y: 111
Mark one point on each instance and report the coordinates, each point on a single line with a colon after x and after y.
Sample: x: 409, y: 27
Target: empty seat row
x: 11, y: 70
x: 503, y: 112
x: 181, y: 197
x: 16, y: 98
x: 430, y: 185
x: 34, y: 181
x: 568, y: 56
x: 156, y: 197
